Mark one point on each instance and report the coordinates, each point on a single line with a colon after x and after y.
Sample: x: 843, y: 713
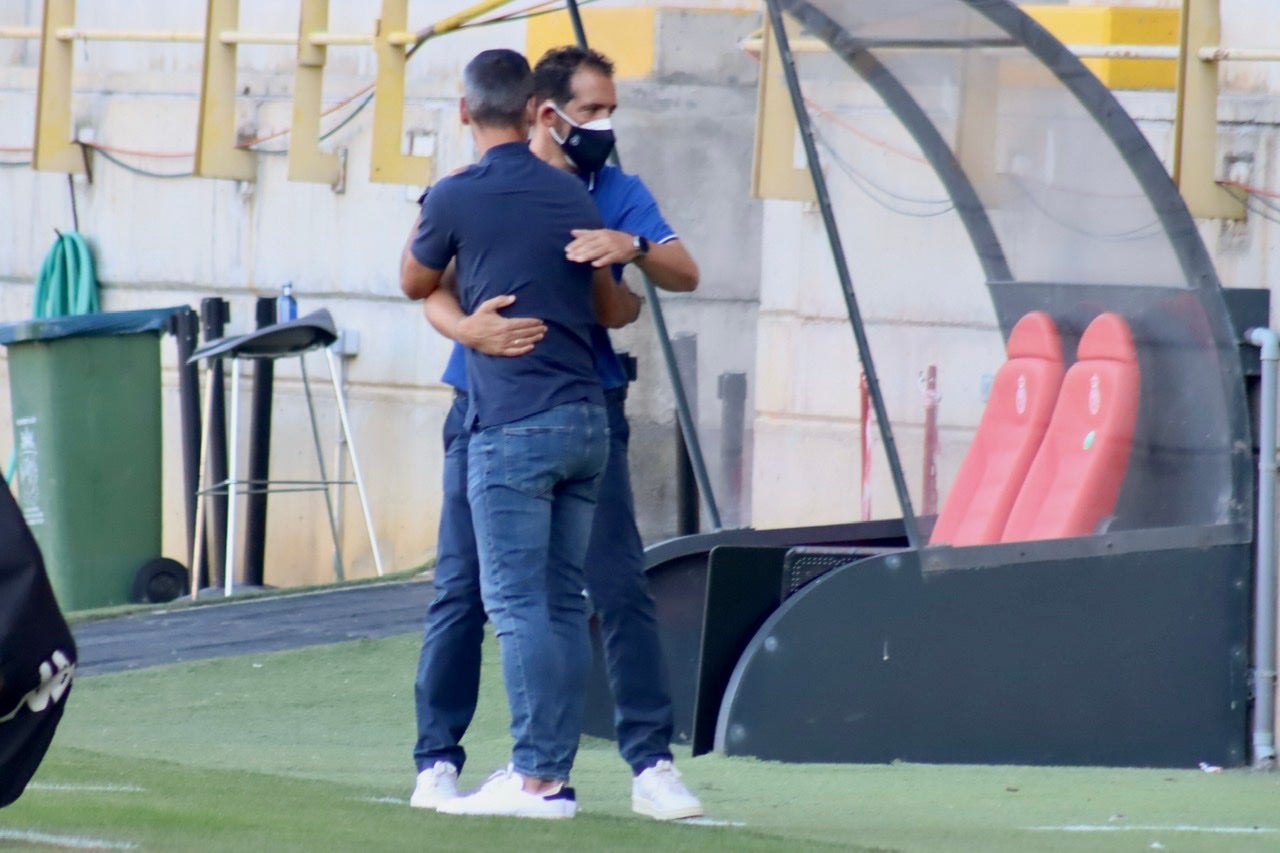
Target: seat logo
x: 1095, y: 394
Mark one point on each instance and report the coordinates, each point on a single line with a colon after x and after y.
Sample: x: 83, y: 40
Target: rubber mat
x: 263, y: 624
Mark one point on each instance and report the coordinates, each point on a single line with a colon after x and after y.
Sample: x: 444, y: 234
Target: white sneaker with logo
x: 503, y: 794
x: 658, y: 793
x: 436, y: 784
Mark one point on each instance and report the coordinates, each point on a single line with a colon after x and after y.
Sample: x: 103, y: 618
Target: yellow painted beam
x: 628, y: 36
x: 216, y: 153
x: 778, y: 169
x: 1116, y: 25
x: 979, y: 89
x: 55, y: 149
x: 388, y: 163
x: 306, y: 161
x: 1195, y: 126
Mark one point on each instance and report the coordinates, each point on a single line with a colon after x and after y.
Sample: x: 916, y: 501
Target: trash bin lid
x: 86, y: 325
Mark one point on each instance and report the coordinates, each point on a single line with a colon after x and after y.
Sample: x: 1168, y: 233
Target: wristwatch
x: 641, y: 245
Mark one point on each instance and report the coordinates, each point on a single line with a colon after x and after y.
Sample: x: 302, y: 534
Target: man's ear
x: 546, y: 113
x: 463, y: 113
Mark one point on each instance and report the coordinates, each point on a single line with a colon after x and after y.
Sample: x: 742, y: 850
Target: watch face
x: 641, y: 244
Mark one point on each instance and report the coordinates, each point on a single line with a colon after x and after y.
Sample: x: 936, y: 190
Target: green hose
x: 67, y: 285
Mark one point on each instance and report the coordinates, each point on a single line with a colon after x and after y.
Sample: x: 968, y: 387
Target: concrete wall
x: 768, y: 307
x: 686, y: 128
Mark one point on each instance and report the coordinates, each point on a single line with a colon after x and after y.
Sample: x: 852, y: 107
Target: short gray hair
x: 497, y: 86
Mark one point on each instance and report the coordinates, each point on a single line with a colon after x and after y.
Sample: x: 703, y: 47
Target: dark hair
x: 497, y: 85
x: 554, y: 71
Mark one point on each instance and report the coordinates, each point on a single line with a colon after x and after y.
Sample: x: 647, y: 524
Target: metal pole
x: 255, y: 512
x: 355, y: 462
x: 805, y: 126
x: 185, y: 327
x: 198, y: 556
x: 228, y: 576
x: 864, y: 429
x: 688, y: 428
x: 1264, y: 627
x: 575, y: 17
x: 214, y: 314
x: 929, y: 494
x: 444, y: 25
x: 732, y: 389
x: 686, y: 349
x: 324, y: 476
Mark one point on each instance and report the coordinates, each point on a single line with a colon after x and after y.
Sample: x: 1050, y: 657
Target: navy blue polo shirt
x: 625, y: 204
x: 507, y: 220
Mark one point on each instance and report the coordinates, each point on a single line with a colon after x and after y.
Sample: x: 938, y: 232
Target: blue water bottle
x: 286, y: 305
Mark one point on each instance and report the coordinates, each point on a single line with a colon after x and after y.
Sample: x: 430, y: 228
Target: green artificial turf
x: 310, y: 750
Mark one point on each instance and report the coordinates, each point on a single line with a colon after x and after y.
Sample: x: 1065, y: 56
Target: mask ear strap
x: 572, y: 123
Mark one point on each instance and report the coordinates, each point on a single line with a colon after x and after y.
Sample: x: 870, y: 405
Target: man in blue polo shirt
x: 576, y: 97
x: 538, y: 429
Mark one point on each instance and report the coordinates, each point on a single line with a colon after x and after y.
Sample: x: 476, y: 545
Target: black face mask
x: 587, y: 146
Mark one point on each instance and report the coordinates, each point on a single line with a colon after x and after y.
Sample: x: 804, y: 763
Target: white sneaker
x: 503, y: 794
x: 436, y: 784
x: 659, y: 794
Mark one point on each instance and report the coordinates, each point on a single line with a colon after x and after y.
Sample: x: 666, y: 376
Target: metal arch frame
x: 973, y: 214
x: 1099, y: 103
x: 1166, y: 200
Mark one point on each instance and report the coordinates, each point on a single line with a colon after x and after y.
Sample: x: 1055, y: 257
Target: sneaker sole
x: 510, y: 814
x: 641, y: 807
x: 430, y: 806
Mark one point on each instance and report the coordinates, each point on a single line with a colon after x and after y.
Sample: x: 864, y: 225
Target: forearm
x: 615, y: 303
x: 670, y: 267
x: 445, y: 314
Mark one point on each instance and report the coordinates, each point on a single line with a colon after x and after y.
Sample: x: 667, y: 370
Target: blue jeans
x: 449, y: 665
x: 448, y: 680
x: 619, y: 594
x: 532, y: 485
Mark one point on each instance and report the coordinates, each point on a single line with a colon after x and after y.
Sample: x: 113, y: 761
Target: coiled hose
x: 67, y: 285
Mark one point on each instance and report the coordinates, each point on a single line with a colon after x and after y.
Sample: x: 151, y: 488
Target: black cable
x: 1142, y: 232
x: 146, y: 173
x: 1261, y: 211
x: 865, y: 184
x: 328, y: 133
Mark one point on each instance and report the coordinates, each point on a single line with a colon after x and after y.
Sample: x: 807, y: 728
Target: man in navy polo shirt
x: 538, y: 429
x: 576, y: 97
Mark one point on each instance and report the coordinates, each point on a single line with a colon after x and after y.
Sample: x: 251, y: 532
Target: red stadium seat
x: 1012, y: 426
x: 1075, y: 479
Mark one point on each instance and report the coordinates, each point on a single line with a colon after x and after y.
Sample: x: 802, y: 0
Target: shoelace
x: 666, y: 776
x: 504, y: 775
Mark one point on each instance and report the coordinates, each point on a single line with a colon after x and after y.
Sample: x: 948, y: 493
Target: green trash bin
x: 85, y: 394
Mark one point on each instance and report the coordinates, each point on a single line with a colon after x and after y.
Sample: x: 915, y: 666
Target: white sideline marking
x: 393, y: 801
x: 73, y: 786
x: 709, y: 821
x: 1221, y: 830
x: 78, y: 842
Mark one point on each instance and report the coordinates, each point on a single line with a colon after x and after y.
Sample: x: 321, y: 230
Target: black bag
x: 37, y: 653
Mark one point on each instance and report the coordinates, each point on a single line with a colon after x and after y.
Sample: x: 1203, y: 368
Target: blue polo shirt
x: 625, y: 204
x: 507, y: 220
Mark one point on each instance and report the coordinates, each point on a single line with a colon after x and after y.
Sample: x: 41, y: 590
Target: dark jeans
x: 448, y: 676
